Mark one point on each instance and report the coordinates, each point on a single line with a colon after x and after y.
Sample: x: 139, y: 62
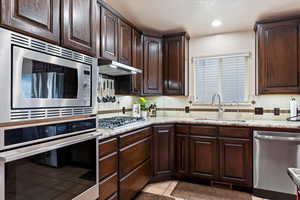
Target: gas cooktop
x: 116, y: 122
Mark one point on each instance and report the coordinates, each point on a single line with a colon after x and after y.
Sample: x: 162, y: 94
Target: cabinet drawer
x: 133, y: 137
x: 182, y: 129
x: 108, y: 147
x: 204, y: 130
x: 108, y: 165
x: 108, y: 187
x: 135, y: 181
x: 235, y: 132
x: 134, y: 155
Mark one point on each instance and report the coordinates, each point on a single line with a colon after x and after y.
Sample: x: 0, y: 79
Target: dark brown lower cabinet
x: 134, y: 182
x: 128, y: 162
x: 163, y: 150
x: 203, y: 157
x: 108, y: 187
x: 236, y: 161
x: 134, y: 155
x: 181, y: 152
x: 108, y: 165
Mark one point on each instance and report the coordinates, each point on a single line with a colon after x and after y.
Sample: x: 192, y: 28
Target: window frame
x: 247, y: 103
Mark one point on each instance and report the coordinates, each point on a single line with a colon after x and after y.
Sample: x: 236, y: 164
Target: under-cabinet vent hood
x: 113, y: 68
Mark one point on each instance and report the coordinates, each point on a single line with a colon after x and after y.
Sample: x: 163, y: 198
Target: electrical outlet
x: 277, y: 111
x: 259, y: 111
x: 187, y: 109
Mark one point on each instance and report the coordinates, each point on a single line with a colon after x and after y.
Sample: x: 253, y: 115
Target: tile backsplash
x: 174, y: 106
x: 113, y: 109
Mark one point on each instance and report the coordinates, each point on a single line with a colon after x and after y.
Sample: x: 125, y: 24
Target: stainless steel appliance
x: 41, y: 80
x: 113, y: 68
x: 120, y: 74
x: 274, y: 153
x: 116, y: 122
x: 65, y: 168
x: 18, y: 136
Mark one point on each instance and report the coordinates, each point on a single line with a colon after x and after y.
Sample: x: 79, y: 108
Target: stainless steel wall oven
x: 61, y: 168
x: 41, y: 80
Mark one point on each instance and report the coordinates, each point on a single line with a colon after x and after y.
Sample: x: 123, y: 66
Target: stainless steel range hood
x: 113, y: 68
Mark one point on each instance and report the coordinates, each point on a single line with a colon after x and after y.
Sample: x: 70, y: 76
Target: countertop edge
x: 255, y: 124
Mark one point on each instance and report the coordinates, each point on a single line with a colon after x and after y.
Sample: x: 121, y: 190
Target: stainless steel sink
x: 221, y: 120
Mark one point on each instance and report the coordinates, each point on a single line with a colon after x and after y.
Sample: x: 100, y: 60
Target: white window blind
x: 226, y: 75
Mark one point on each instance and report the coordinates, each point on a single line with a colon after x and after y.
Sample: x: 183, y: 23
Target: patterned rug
x: 200, y: 192
x: 149, y: 196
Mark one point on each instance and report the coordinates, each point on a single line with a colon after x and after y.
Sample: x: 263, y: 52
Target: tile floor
x: 166, y: 188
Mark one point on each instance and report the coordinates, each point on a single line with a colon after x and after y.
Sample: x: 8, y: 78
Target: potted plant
x: 144, y: 107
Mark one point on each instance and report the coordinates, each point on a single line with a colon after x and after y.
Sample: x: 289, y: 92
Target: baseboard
x: 273, y: 195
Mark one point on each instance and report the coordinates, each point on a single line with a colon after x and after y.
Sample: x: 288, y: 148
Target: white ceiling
x: 195, y: 16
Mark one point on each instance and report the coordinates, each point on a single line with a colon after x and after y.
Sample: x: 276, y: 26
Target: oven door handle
x: 44, y: 147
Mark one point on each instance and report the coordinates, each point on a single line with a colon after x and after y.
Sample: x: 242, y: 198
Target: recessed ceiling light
x: 216, y: 23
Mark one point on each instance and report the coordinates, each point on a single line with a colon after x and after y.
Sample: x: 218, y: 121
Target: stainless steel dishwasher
x: 274, y: 153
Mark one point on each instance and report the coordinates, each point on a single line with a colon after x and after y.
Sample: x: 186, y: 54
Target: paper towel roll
x: 293, y: 109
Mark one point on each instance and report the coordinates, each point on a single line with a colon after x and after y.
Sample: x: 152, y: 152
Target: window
x: 226, y: 75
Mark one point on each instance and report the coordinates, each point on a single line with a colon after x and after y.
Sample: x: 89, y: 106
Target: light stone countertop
x: 105, y: 133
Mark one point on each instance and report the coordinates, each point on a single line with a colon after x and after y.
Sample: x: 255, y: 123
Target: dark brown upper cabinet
x: 176, y: 56
x: 137, y: 61
x: 109, y: 35
x: 163, y: 150
x: 79, y: 25
x: 153, y: 66
x: 278, y: 57
x: 40, y: 19
x: 125, y: 43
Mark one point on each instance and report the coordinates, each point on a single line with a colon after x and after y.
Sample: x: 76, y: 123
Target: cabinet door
x: 152, y: 65
x: 174, y: 65
x: 163, y: 150
x: 278, y: 58
x: 181, y: 154
x: 124, y: 39
x: 78, y: 25
x: 203, y: 157
x: 137, y: 61
x: 32, y: 17
x: 109, y: 35
x: 236, y: 161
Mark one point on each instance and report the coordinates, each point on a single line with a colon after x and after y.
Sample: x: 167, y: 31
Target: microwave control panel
x: 86, y: 86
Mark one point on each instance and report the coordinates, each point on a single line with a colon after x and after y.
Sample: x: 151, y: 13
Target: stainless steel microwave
x: 41, y: 80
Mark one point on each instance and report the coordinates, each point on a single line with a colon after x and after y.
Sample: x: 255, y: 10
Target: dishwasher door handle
x: 277, y: 138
